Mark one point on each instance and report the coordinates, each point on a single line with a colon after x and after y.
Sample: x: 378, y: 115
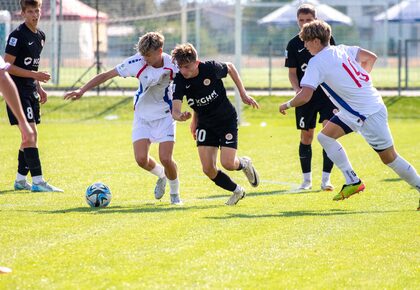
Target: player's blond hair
x: 316, y: 29
x: 30, y: 3
x: 150, y: 41
x: 184, y: 53
x: 306, y: 9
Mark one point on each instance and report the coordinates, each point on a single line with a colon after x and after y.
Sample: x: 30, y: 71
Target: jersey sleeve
x: 220, y: 69
x: 131, y: 66
x: 313, y: 76
x: 290, y: 56
x: 178, y: 88
x: 14, y: 44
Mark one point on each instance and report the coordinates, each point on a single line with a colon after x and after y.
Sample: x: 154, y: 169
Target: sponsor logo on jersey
x: 30, y: 43
x: 13, y: 41
x: 300, y: 50
x: 27, y: 60
x: 206, y: 82
x: 204, y: 101
x: 187, y: 86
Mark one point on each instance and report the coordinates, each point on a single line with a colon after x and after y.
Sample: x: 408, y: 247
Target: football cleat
x: 306, y: 184
x: 160, y: 187
x: 236, y: 196
x: 250, y: 172
x: 349, y: 189
x: 22, y: 185
x: 45, y: 187
x: 175, y: 200
x: 327, y: 186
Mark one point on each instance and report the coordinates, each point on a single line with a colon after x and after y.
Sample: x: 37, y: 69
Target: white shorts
x: 375, y: 129
x: 156, y: 131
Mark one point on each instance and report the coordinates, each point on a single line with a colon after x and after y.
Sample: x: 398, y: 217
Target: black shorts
x: 306, y: 114
x: 226, y: 136
x: 30, y: 106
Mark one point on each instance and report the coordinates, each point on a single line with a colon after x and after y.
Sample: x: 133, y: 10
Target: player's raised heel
x: 250, y: 172
x: 22, y: 185
x: 237, y: 195
x: 45, y: 187
x: 160, y: 187
x: 349, y: 189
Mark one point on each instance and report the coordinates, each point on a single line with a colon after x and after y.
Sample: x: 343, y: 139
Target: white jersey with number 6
x: 348, y: 85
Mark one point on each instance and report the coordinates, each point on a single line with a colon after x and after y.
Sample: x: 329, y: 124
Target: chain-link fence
x: 92, y: 35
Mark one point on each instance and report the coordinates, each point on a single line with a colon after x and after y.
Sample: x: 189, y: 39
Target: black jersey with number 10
x: 206, y: 94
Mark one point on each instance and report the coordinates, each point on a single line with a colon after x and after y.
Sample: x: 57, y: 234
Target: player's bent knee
x: 324, y: 139
x: 211, y: 172
x: 142, y: 161
x: 228, y: 164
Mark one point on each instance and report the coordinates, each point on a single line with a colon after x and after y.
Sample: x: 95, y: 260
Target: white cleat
x: 175, y: 200
x: 305, y: 185
x: 45, y: 187
x: 236, y: 196
x: 327, y: 186
x: 160, y: 187
x: 250, y: 172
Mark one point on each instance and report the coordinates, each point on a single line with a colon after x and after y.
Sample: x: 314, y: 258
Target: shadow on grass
x: 274, y: 192
x: 392, y: 179
x: 148, y: 208
x: 300, y: 213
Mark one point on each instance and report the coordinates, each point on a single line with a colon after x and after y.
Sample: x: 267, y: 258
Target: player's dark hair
x: 306, y: 9
x: 184, y: 54
x: 30, y: 3
x: 316, y: 29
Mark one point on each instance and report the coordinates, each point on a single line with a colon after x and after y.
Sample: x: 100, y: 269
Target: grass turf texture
x: 275, y: 238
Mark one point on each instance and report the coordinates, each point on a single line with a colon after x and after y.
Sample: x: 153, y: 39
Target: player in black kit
x: 214, y: 121
x: 23, y: 52
x: 297, y: 58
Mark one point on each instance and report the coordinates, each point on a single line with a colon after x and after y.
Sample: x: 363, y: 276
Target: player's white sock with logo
x: 406, y: 171
x: 174, y: 186
x: 37, y: 179
x: 338, y: 155
x: 307, y: 177
x: 159, y: 171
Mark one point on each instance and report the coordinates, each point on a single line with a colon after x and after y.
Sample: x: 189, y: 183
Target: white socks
x: 326, y: 177
x: 20, y: 177
x: 338, y: 155
x: 174, y: 186
x: 406, y: 171
x: 159, y: 171
x: 307, y: 177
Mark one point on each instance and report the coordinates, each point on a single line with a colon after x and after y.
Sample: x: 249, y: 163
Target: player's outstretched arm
x: 366, y: 59
x: 176, y: 111
x: 302, y: 97
x: 246, y: 99
x: 95, y: 81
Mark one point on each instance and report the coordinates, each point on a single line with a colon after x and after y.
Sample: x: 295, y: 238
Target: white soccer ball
x: 98, y: 195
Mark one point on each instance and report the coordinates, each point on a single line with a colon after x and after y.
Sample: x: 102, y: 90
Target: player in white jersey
x: 153, y: 121
x: 343, y: 72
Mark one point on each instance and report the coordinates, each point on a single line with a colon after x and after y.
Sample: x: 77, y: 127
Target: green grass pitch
x: 275, y: 238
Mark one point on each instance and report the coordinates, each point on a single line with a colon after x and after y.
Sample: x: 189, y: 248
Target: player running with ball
x: 153, y: 121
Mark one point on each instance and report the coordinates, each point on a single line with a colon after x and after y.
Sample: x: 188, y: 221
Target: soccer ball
x: 98, y: 195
